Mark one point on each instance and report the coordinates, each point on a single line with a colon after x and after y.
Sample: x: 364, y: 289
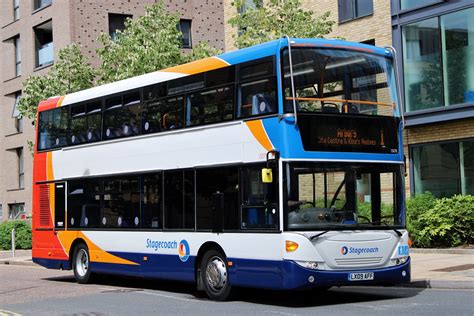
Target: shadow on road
x: 311, y: 298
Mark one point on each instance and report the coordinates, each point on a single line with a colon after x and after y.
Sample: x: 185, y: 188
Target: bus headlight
x: 313, y: 265
x: 401, y: 260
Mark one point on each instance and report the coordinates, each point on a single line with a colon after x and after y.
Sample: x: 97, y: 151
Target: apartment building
x: 435, y: 40
x: 33, y: 31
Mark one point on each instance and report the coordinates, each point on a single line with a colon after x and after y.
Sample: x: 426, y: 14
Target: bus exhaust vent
x: 44, y: 208
x: 349, y: 262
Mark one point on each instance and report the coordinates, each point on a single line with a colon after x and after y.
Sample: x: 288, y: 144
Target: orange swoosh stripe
x: 258, y: 131
x: 96, y: 253
x: 198, y: 66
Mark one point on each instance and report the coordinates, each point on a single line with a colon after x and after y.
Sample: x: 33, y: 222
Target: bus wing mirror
x: 267, y: 175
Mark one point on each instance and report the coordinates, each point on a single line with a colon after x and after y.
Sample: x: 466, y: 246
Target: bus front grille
x: 357, y: 262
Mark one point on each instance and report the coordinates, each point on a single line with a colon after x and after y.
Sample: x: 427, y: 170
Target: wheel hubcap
x: 82, y: 262
x: 216, y: 274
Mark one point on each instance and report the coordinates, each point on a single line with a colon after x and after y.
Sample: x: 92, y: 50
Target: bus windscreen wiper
x: 399, y: 233
x: 318, y: 235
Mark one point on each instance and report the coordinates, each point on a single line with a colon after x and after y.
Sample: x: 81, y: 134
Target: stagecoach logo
x: 344, y: 250
x: 183, y: 250
x: 358, y: 251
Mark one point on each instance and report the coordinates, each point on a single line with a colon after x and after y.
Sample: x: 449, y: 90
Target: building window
x: 44, y: 44
x: 249, y: 4
x: 38, y: 4
x: 16, y: 10
x: 17, y: 211
x: 16, y: 113
x: 353, y: 9
x: 438, y: 54
x: 185, y: 29
x: 444, y: 169
x: 17, y: 43
x: 117, y: 23
x: 410, y: 4
x: 21, y: 170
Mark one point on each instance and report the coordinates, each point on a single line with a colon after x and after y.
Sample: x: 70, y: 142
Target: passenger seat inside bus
x: 262, y: 103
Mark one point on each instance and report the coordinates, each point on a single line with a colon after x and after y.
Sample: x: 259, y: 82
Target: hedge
x: 22, y: 235
x: 445, y: 222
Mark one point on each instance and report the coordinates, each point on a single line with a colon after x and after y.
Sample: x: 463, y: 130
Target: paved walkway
x: 431, y: 268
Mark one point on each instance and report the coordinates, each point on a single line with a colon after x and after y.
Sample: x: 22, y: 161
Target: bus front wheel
x: 81, y: 264
x: 214, y: 276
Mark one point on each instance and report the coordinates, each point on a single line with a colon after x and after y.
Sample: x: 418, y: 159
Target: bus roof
x: 207, y: 64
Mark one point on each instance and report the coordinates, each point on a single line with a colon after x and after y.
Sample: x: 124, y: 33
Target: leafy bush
x: 445, y: 222
x: 415, y: 207
x: 22, y: 235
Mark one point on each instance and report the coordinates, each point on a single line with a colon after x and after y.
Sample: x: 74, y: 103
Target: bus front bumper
x: 298, y: 277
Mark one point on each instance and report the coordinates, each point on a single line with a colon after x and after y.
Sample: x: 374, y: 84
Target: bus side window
x: 83, y: 204
x: 210, y: 106
x: 53, y: 126
x: 259, y: 201
x: 152, y: 201
x: 257, y: 98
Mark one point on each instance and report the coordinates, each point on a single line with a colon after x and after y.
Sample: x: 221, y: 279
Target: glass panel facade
x: 444, y: 169
x: 438, y: 54
x: 467, y: 167
x: 422, y: 65
x: 411, y: 4
x: 457, y: 34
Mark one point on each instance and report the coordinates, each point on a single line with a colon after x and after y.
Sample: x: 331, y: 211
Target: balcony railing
x: 45, y: 54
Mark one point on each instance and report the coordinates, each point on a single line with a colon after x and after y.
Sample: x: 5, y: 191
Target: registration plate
x: 363, y: 276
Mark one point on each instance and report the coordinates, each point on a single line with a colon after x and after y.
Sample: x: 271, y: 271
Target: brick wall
x: 90, y: 18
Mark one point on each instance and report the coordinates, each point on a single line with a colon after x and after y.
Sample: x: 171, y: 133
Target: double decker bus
x: 278, y: 166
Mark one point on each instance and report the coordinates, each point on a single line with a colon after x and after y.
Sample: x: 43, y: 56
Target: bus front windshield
x: 323, y: 196
x: 339, y: 81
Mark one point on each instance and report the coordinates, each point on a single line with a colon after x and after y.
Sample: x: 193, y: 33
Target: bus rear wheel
x: 215, y: 276
x: 81, y: 264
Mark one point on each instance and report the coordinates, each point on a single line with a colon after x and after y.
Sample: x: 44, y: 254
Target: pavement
x: 430, y: 268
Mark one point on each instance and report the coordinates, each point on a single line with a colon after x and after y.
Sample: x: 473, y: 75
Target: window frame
x: 188, y: 23
x: 411, y: 162
x: 16, y: 10
x: 38, y: 46
x: 17, y: 45
x: 353, y: 11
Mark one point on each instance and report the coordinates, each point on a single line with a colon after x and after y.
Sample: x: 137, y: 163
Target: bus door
x: 59, y: 205
x: 59, y: 216
x: 218, y: 212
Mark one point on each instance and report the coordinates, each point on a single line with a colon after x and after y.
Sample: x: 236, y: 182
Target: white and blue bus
x: 277, y: 166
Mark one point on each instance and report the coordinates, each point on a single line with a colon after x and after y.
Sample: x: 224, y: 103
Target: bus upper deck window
x: 257, y: 97
x: 53, y: 126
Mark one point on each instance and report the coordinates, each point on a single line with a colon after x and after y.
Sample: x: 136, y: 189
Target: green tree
x: 148, y: 43
x: 70, y: 73
x: 275, y: 19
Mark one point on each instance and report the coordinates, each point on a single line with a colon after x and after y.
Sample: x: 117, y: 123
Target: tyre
x: 215, y: 276
x: 81, y: 264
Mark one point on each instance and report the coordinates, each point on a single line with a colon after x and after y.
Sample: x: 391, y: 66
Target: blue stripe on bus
x: 53, y: 263
x: 270, y: 274
x: 273, y: 47
x: 286, y: 138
